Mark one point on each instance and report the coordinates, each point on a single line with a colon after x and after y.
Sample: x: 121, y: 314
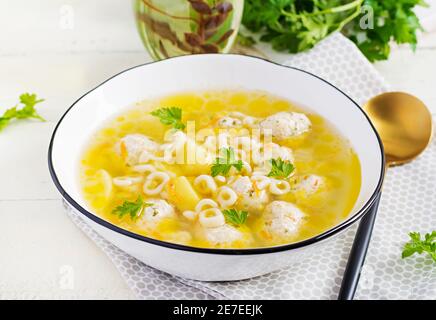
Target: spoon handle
x: 358, y: 252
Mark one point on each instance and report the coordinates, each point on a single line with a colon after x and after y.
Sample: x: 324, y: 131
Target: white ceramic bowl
x: 203, y: 72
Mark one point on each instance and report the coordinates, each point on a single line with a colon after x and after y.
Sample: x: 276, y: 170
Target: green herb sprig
x: 235, y: 217
x: 170, y: 116
x: 24, y: 110
x: 280, y: 169
x: 420, y: 245
x: 394, y: 20
x: 223, y: 164
x: 134, y: 209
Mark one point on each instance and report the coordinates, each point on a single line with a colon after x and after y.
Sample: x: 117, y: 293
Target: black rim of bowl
x: 323, y: 236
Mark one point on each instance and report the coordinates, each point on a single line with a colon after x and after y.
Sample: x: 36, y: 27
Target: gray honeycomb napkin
x: 408, y: 204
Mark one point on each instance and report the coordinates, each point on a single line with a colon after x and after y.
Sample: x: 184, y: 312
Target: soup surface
x: 221, y: 169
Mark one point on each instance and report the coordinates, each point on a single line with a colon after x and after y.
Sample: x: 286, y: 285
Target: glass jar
x: 171, y: 28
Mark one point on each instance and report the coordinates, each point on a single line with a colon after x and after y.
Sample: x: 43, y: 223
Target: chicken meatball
x: 229, y: 122
x: 254, y: 201
x: 308, y: 184
x: 242, y: 185
x: 132, y: 146
x: 223, y: 236
x: 282, y: 220
x: 250, y: 199
x: 272, y: 151
x: 158, y: 211
x: 284, y: 125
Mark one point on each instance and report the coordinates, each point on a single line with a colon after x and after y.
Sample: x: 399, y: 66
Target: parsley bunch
x: 297, y: 25
x: 25, y: 111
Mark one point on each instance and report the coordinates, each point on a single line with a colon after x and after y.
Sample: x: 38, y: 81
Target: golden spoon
x: 405, y: 127
x: 403, y: 123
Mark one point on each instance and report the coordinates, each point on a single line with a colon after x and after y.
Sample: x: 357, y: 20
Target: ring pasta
x: 144, y: 168
x: 226, y: 197
x: 205, y: 184
x: 279, y: 187
x: 205, y: 204
x: 211, y: 218
x: 190, y: 215
x: 155, y: 183
x: 262, y: 182
x: 126, y: 181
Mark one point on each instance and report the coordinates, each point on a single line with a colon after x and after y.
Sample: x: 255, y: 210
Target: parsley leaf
x: 26, y: 110
x: 223, y: 164
x: 393, y: 20
x: 134, y: 209
x: 235, y: 217
x: 170, y: 116
x: 297, y: 25
x: 419, y: 245
x: 280, y: 169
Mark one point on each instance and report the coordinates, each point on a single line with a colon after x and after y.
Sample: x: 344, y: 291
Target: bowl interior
x: 208, y: 72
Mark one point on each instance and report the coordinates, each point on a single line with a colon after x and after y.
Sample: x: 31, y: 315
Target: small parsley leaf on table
x: 420, y: 245
x: 25, y: 111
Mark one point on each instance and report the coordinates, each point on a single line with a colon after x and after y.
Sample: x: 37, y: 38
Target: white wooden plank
x: 41, y: 249
x: 59, y: 26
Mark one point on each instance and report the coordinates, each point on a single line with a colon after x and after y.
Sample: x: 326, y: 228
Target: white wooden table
x: 60, y: 49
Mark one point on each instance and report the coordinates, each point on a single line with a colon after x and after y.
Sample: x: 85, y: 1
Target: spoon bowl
x: 404, y: 124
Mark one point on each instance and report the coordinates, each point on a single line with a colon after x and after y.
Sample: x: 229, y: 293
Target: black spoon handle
x: 358, y: 252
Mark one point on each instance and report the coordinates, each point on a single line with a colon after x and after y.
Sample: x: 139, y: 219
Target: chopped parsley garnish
x: 170, y: 116
x: 134, y: 209
x: 235, y: 217
x: 223, y: 164
x: 280, y: 169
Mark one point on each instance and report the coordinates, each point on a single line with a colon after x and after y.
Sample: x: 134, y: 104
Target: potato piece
x: 196, y: 169
x: 183, y: 195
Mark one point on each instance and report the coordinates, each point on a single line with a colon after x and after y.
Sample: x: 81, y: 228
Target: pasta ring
x: 205, y: 184
x: 126, y: 181
x: 211, y: 218
x: 162, y: 176
x: 226, y: 197
x: 143, y: 168
x: 275, y: 188
x: 205, y: 202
